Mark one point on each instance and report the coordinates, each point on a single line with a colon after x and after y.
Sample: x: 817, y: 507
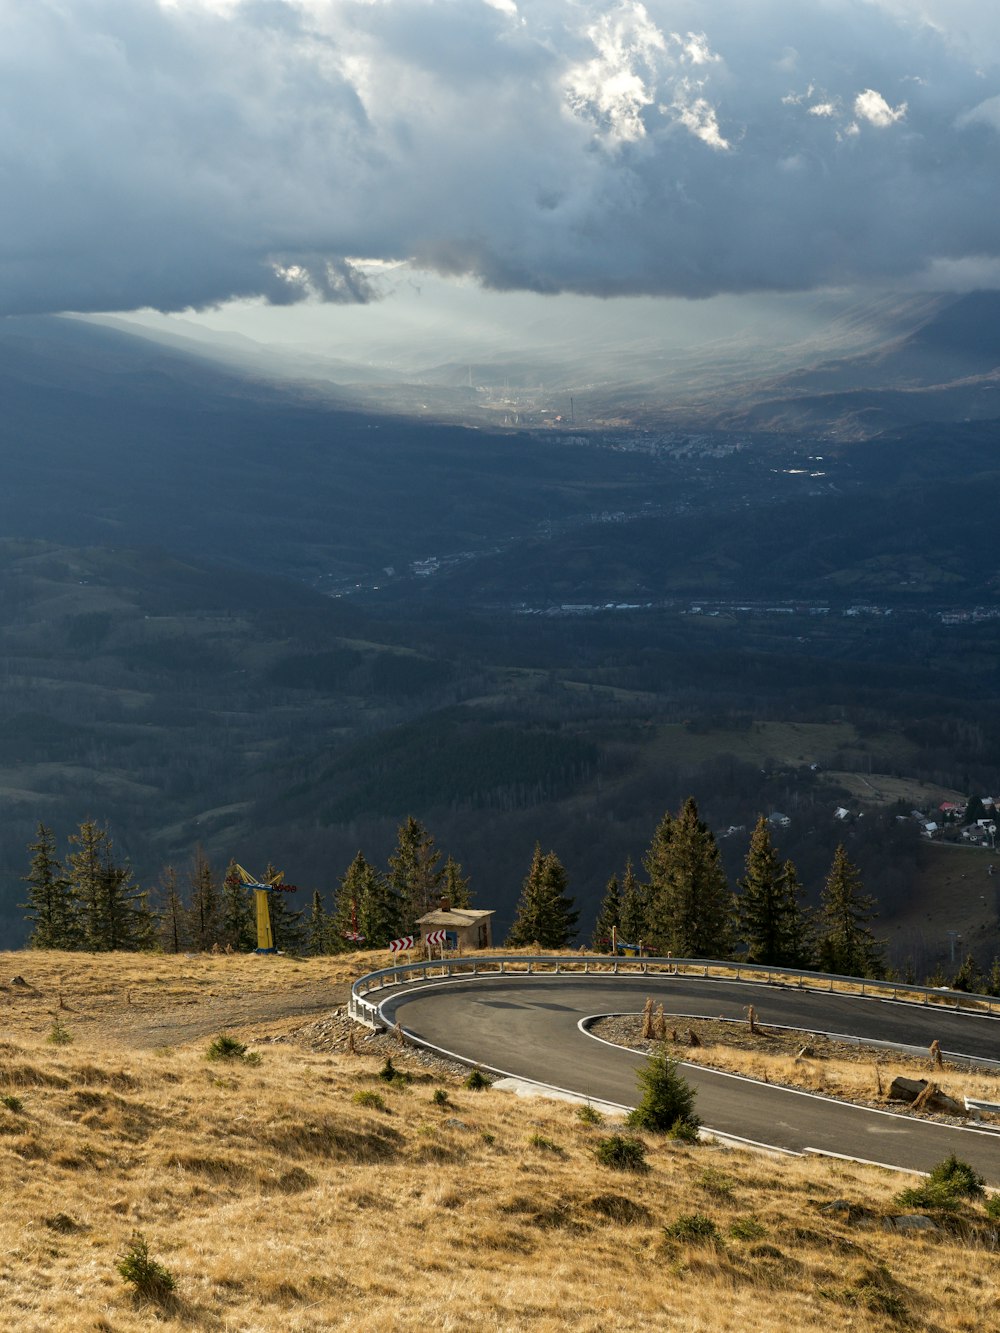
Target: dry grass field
x: 300, y: 1192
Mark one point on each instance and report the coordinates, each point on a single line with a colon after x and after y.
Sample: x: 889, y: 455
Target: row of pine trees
x: 89, y: 900
x: 682, y: 906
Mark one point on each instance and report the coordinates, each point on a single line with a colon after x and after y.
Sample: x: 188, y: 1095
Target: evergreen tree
x: 455, y: 885
x: 608, y: 917
x: 691, y: 908
x: 318, y: 927
x: 846, y: 946
x: 239, y: 913
x: 545, y: 914
x: 413, y: 871
x: 969, y: 976
x: 174, y: 916
x: 974, y: 810
x: 114, y: 911
x: 51, y: 906
x: 366, y: 902
x: 772, y: 921
x: 667, y: 1101
x: 205, y: 912
x: 85, y: 864
x: 634, y: 918
x: 800, y: 934
x: 129, y: 922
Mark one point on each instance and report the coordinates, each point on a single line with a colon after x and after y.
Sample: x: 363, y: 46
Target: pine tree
x: 847, y: 947
x: 85, y: 866
x: 413, y: 871
x: 129, y: 922
x: 114, y: 911
x: 634, y: 918
x: 800, y: 931
x: 174, y: 916
x: 771, y: 917
x: 205, y: 912
x: 608, y: 917
x: 51, y: 906
x: 318, y: 927
x: 368, y: 903
x: 239, y: 913
x: 545, y: 913
x: 969, y: 976
x: 691, y: 908
x: 455, y: 885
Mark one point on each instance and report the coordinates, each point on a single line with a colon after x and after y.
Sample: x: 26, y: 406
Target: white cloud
x: 873, y: 107
x: 184, y: 153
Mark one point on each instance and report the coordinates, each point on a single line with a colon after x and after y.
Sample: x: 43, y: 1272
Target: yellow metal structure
x: 261, y: 889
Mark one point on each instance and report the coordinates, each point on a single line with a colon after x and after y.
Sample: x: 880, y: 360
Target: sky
x: 245, y: 154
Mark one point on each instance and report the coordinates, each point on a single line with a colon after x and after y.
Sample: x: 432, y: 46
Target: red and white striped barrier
x: 354, y: 935
x: 404, y: 942
x: 436, y: 937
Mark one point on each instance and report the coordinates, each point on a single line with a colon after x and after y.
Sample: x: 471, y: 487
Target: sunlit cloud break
x: 177, y: 155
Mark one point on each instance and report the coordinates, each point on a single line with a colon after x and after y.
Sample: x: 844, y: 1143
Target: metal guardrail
x: 363, y: 1010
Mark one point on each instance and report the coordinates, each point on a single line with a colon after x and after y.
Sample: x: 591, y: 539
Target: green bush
x: 546, y: 1145
x: 993, y: 1207
x: 390, y: 1074
x: 667, y: 1105
x: 960, y: 1177
x: 225, y: 1047
x: 148, y: 1278
x: 747, y: 1228
x: 622, y: 1153
x: 694, y: 1229
x: 440, y: 1097
x: 374, y: 1100
x: 13, y: 1103
x: 477, y: 1081
x: 589, y: 1115
x: 60, y: 1035
x: 948, y: 1184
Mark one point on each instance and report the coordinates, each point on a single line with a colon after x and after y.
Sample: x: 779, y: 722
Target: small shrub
x: 747, y: 1228
x: 684, y: 1131
x: 60, y: 1035
x: 960, y: 1177
x: 390, y: 1074
x: 589, y: 1115
x: 928, y: 1195
x: 488, y: 1138
x: 544, y: 1144
x: 993, y: 1207
x: 13, y: 1103
x: 694, y: 1229
x: 667, y: 1100
x: 477, y: 1081
x: 374, y: 1100
x: 948, y: 1184
x: 225, y: 1047
x: 622, y: 1153
x: 148, y: 1278
x: 440, y: 1097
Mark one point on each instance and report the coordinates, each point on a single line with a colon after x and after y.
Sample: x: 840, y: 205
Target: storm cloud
x: 180, y: 154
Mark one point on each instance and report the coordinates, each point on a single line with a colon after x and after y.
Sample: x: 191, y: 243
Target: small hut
x: 466, y: 928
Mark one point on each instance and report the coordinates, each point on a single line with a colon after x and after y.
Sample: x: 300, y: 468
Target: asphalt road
x: 528, y: 1028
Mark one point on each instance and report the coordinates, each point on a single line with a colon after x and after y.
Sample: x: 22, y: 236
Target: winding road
x: 529, y: 1028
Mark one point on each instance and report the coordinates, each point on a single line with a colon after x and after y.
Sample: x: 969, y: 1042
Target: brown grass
x: 280, y: 1204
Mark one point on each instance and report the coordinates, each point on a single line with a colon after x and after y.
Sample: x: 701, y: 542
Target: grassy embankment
x: 279, y: 1200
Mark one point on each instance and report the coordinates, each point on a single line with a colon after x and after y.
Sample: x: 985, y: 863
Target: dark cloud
x: 179, y: 155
